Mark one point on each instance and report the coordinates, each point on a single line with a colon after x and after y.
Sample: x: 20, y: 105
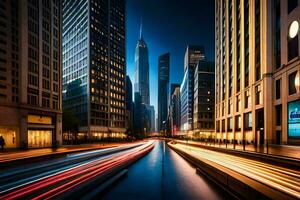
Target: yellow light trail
x: 280, y: 178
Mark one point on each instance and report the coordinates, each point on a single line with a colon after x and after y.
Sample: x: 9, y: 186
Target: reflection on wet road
x: 163, y: 174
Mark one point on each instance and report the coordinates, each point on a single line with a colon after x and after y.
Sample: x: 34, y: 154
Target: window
x: 230, y: 124
x: 247, y: 99
x: 248, y: 121
x: 292, y: 83
x: 258, y: 95
x: 238, y: 103
x: 238, y: 122
x: 278, y: 109
x: 278, y: 89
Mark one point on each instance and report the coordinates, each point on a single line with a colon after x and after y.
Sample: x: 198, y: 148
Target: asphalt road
x: 163, y: 174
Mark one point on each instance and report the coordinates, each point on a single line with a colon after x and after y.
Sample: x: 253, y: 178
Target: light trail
x: 280, y: 178
x: 55, y: 166
x: 13, y: 156
x: 56, y: 184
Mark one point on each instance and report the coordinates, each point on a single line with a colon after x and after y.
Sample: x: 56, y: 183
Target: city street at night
x: 150, y: 99
x: 160, y: 174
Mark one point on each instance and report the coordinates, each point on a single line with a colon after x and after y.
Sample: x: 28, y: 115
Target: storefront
x: 10, y: 137
x: 40, y: 131
x: 39, y: 138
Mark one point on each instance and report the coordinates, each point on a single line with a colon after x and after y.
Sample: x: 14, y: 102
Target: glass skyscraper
x: 163, y: 87
x: 141, y: 76
x: 94, y: 67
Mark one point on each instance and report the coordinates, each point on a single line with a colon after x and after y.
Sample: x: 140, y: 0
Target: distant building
x: 163, y: 88
x: 257, y: 72
x: 175, y: 111
x: 152, y: 118
x: 141, y: 73
x: 129, y: 105
x: 94, y: 53
x: 204, y: 98
x: 30, y: 73
x: 193, y: 54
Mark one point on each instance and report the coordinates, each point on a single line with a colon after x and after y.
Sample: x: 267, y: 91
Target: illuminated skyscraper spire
x: 141, y: 77
x: 141, y: 29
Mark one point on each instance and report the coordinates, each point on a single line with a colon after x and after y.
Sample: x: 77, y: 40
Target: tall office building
x: 94, y: 68
x: 163, y: 87
x: 30, y: 71
x: 204, y: 99
x: 141, y: 73
x: 193, y: 54
x: 257, y: 71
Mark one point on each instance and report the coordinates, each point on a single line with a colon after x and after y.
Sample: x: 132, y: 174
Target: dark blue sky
x: 169, y: 26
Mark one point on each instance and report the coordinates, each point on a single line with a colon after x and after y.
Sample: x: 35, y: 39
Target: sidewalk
x: 287, y: 151
x: 15, y: 154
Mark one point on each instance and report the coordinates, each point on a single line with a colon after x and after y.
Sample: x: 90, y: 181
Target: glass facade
x: 163, y: 87
x: 94, y: 63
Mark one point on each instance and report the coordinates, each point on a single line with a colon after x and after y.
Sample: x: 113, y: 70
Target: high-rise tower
x: 94, y: 68
x: 141, y: 76
x: 163, y: 87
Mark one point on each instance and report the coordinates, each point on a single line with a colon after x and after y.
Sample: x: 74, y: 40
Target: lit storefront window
x: 38, y: 138
x: 9, y: 136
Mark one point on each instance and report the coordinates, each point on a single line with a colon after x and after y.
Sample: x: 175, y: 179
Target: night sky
x: 169, y: 26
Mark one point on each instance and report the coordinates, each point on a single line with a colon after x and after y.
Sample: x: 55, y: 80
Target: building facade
x: 257, y: 72
x: 141, y: 73
x: 193, y: 54
x: 204, y: 99
x: 163, y: 88
x: 151, y: 112
x: 30, y: 71
x: 129, y: 105
x: 187, y: 100
x: 175, y: 111
x: 94, y: 68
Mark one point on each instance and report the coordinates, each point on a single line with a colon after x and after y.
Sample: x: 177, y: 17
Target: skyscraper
x: 30, y: 73
x: 193, y: 54
x: 141, y: 76
x: 257, y: 72
x: 163, y: 87
x: 94, y: 58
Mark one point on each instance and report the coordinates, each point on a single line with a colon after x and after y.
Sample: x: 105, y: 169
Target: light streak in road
x: 59, y: 183
x: 280, y: 178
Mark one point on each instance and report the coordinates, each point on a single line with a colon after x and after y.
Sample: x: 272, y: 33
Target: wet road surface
x: 163, y: 174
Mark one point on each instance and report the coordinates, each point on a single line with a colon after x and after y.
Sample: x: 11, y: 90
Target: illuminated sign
x: 37, y: 119
x: 294, y: 119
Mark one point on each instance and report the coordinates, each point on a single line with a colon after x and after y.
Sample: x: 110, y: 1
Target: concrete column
x: 58, y: 129
x: 23, y: 129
